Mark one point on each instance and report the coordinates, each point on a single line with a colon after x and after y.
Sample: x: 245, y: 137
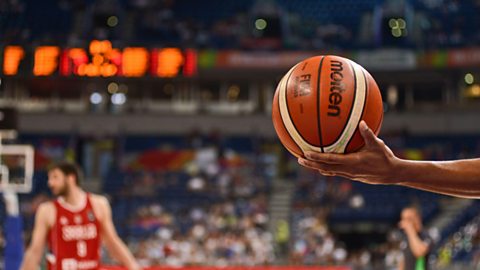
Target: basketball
x: 320, y: 102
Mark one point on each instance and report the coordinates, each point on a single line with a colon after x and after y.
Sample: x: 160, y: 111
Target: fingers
x: 330, y: 170
x: 339, y: 174
x: 325, y: 169
x: 367, y: 134
x: 312, y: 164
x: 329, y: 158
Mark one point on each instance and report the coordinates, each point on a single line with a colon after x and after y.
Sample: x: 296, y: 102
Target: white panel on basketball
x: 361, y: 93
x: 340, y: 145
x: 287, y: 121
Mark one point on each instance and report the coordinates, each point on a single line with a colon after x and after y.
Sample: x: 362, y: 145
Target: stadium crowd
x: 213, y: 211
x: 304, y: 25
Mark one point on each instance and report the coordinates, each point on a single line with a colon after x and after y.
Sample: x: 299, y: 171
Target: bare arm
x: 401, y: 264
x: 376, y: 164
x: 114, y: 244
x: 34, y: 252
x: 459, y: 178
x: 418, y: 247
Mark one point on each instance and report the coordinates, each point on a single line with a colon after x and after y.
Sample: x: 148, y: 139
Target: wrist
x: 404, y: 171
x: 134, y: 266
x: 409, y: 230
x: 396, y: 172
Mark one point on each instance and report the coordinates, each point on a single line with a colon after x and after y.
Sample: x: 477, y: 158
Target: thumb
x: 367, y: 134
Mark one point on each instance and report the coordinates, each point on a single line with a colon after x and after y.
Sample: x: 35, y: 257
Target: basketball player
x: 73, y: 227
x: 376, y: 164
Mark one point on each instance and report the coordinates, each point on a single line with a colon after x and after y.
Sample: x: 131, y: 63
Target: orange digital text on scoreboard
x: 12, y: 56
x: 102, y: 60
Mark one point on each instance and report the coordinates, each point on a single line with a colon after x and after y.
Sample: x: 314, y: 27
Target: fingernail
x: 363, y: 126
x: 300, y: 160
x: 308, y: 154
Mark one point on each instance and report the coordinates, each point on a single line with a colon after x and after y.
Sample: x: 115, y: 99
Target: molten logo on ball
x: 336, y: 88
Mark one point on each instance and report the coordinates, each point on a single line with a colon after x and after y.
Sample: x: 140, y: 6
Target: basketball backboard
x: 16, y: 161
x: 16, y: 167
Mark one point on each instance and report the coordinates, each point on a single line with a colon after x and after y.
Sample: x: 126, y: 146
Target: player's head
x: 62, y: 177
x: 412, y: 213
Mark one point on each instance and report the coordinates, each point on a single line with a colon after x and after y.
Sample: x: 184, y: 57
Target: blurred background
x: 166, y: 104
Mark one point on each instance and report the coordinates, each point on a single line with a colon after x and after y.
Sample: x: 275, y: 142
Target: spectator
x: 418, y: 243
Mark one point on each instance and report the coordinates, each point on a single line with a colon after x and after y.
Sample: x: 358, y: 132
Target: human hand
x: 406, y: 225
x: 375, y: 163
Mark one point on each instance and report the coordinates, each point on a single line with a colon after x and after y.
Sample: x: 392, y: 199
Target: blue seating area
x: 323, y: 203
x: 172, y: 194
x: 460, y: 238
x: 240, y: 144
x: 227, y: 25
x: 200, y: 11
x: 166, y: 190
x: 164, y: 187
x: 384, y: 204
x: 162, y: 209
x: 460, y: 220
x: 30, y: 20
x: 328, y: 203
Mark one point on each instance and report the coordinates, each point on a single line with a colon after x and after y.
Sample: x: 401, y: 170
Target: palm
x: 373, y: 164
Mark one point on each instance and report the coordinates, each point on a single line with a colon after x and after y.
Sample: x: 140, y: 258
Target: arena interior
x: 166, y: 105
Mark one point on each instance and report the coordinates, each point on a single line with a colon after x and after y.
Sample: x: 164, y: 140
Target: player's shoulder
x: 46, y: 212
x: 98, y: 200
x: 100, y: 205
x: 46, y: 207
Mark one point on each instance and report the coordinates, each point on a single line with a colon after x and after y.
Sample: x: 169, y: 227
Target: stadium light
x: 118, y: 99
x: 260, y: 24
x: 398, y: 27
x: 112, y: 21
x: 96, y: 98
x: 112, y: 88
x: 469, y: 79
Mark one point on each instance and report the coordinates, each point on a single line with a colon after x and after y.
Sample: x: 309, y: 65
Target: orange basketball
x: 319, y: 103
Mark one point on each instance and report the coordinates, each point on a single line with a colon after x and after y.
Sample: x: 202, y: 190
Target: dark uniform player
x: 417, y: 245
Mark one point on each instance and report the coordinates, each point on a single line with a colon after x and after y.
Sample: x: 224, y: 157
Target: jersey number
x: 81, y: 248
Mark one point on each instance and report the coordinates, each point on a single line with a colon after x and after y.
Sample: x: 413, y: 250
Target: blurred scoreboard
x: 99, y: 60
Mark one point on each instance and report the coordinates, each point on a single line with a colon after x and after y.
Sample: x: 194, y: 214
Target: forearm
x: 120, y: 252
x: 417, y: 246
x: 459, y: 178
x: 31, y: 261
x: 401, y: 264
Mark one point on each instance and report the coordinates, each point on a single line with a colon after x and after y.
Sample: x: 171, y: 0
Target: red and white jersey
x: 74, y: 239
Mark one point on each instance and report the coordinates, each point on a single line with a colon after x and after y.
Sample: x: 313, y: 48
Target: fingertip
x: 315, y: 156
x: 364, y: 129
x: 366, y: 132
x: 301, y: 161
x: 363, y: 126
